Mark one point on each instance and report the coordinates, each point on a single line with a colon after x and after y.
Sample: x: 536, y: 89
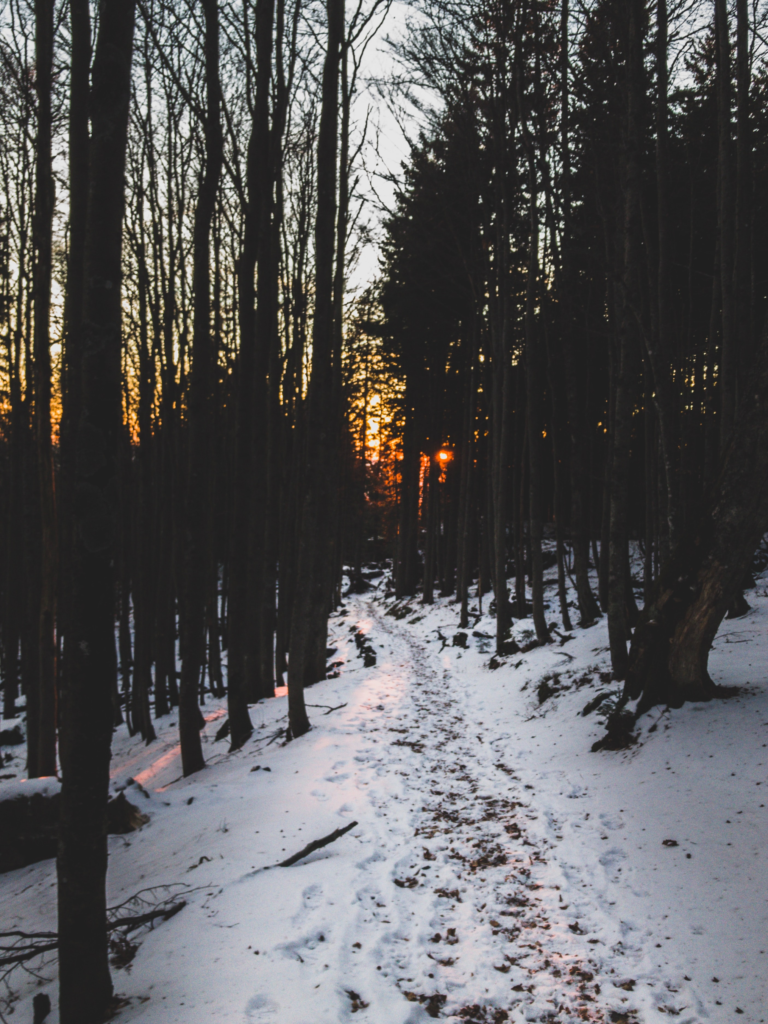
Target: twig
x: 137, y: 920
x: 337, y: 708
x: 24, y: 953
x: 316, y: 845
x: 17, y: 954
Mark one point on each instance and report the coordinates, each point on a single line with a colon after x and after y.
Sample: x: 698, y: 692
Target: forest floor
x: 499, y: 870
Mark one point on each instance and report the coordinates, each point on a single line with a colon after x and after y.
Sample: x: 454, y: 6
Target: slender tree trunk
x: 258, y: 671
x: 13, y: 555
x: 84, y: 980
x: 407, y: 551
x: 499, y: 471
x: 742, y: 263
x: 315, y: 550
x: 431, y: 517
x: 518, y: 493
x: 534, y: 425
x: 575, y: 378
x: 558, y: 498
x: 650, y: 487
x: 144, y: 548
x: 725, y: 217
x: 618, y: 544
x: 464, y: 574
x: 197, y: 509
x: 71, y: 382
x: 659, y: 343
x: 43, y: 243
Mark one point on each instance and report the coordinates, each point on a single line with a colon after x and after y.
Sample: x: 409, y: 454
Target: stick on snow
x: 318, y: 844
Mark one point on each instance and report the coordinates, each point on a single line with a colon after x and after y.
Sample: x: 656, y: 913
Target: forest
x: 221, y: 416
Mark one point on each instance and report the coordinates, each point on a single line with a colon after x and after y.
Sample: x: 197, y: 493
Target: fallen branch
x: 330, y: 709
x: 318, y: 844
x: 27, y: 945
x: 137, y: 920
x: 276, y: 736
x: 21, y: 954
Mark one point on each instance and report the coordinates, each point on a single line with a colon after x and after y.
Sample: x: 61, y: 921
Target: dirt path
x: 464, y: 891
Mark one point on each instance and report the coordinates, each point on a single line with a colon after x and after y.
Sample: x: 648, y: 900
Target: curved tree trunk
x: 670, y: 647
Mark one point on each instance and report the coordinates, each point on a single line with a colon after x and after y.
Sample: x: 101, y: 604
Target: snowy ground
x: 499, y: 869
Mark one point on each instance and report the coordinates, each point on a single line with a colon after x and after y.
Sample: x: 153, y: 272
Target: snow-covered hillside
x: 499, y: 869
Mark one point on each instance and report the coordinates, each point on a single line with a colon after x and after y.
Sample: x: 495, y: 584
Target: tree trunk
x: 71, y: 374
x: 659, y: 343
x: 671, y: 644
x: 315, y: 547
x: 197, y: 509
x: 742, y: 262
x: 86, y: 733
x: 618, y: 543
x: 431, y: 517
x: 464, y: 568
x: 144, y: 535
x: 725, y: 216
x: 407, y: 532
x: 43, y: 244
x: 575, y: 394
x: 534, y: 425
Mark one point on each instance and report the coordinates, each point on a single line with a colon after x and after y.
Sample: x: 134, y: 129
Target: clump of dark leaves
x: 364, y: 647
x: 619, y: 735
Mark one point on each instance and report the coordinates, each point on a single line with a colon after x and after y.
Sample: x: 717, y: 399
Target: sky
x: 386, y: 147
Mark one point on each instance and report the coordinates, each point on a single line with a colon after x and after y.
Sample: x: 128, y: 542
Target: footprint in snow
x: 312, y: 895
x: 365, y: 864
x: 612, y: 856
x: 611, y: 822
x: 261, y: 1008
x: 302, y: 949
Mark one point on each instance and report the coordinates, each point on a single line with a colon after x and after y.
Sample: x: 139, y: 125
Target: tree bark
x: 534, y: 405
x: 573, y: 360
x: 84, y: 979
x: 742, y: 262
x: 659, y: 343
x: 628, y: 290
x: 407, y: 532
x: 725, y: 217
x: 315, y: 550
x: 78, y: 143
x: 671, y: 644
x: 45, y: 725
x: 197, y: 509
x: 431, y: 518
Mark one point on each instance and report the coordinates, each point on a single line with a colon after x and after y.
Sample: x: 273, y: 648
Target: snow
x: 498, y: 867
x: 46, y: 786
